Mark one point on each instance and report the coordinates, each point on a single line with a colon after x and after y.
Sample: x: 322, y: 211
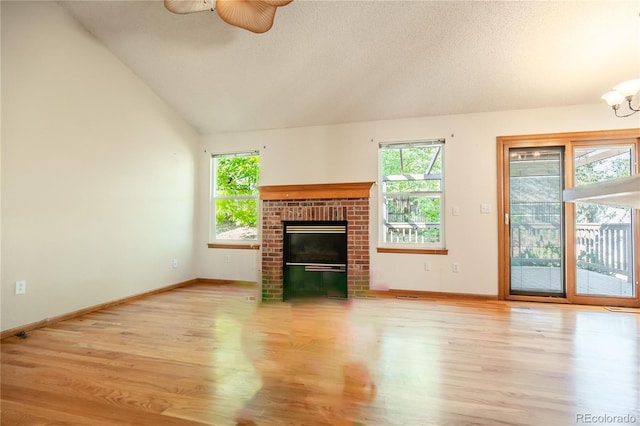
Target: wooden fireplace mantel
x: 320, y: 191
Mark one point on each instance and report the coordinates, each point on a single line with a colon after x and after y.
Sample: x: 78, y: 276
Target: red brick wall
x: 354, y: 210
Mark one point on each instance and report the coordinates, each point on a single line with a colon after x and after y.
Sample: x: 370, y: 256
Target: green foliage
x: 416, y: 160
x: 413, y: 209
x: 231, y: 214
x: 236, y: 176
x: 601, y: 171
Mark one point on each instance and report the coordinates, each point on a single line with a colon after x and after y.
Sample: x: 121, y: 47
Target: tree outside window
x: 600, y: 164
x: 234, y: 200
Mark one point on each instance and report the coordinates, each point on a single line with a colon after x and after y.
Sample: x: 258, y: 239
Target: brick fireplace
x: 324, y: 202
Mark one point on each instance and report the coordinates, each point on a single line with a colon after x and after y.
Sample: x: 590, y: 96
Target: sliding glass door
x: 570, y: 252
x: 603, y: 234
x: 536, y: 228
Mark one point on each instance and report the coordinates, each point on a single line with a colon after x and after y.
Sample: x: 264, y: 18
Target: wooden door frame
x: 568, y: 141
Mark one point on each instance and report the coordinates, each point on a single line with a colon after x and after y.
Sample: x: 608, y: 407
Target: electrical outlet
x: 427, y: 266
x: 21, y: 287
x: 174, y: 263
x: 485, y: 208
x: 455, y: 211
x: 455, y: 267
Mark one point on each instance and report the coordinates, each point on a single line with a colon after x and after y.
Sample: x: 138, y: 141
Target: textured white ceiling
x: 326, y: 62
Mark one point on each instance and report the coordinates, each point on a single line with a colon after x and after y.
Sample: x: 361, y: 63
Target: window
x: 234, y: 197
x: 412, y: 194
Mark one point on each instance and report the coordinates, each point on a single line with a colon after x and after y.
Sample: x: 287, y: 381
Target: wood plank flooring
x: 203, y: 355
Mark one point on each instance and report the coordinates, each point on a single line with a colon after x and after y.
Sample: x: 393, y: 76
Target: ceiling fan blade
x: 253, y: 15
x: 277, y: 2
x: 188, y: 6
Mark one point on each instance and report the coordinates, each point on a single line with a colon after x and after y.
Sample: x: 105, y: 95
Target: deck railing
x: 411, y: 232
x: 605, y: 248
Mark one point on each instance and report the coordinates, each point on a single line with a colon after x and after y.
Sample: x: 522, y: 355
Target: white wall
x: 99, y: 177
x: 348, y: 153
x: 98, y: 174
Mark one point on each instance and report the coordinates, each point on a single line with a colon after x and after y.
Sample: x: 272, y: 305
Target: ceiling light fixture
x: 254, y: 15
x: 627, y: 91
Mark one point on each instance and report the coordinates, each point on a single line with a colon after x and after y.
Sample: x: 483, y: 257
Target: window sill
x: 412, y: 250
x: 255, y: 246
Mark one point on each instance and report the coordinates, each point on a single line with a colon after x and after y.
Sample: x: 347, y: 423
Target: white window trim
x: 381, y: 204
x: 213, y: 241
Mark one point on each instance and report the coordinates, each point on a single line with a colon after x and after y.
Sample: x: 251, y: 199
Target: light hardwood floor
x: 203, y: 355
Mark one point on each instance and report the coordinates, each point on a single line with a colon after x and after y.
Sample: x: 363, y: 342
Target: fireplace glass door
x: 315, y: 259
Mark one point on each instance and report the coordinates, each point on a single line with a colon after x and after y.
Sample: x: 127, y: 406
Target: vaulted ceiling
x: 327, y: 62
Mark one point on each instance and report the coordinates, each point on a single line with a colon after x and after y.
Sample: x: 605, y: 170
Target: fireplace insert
x: 315, y: 259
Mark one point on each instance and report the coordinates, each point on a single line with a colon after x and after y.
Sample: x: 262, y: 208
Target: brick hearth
x: 348, y: 202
